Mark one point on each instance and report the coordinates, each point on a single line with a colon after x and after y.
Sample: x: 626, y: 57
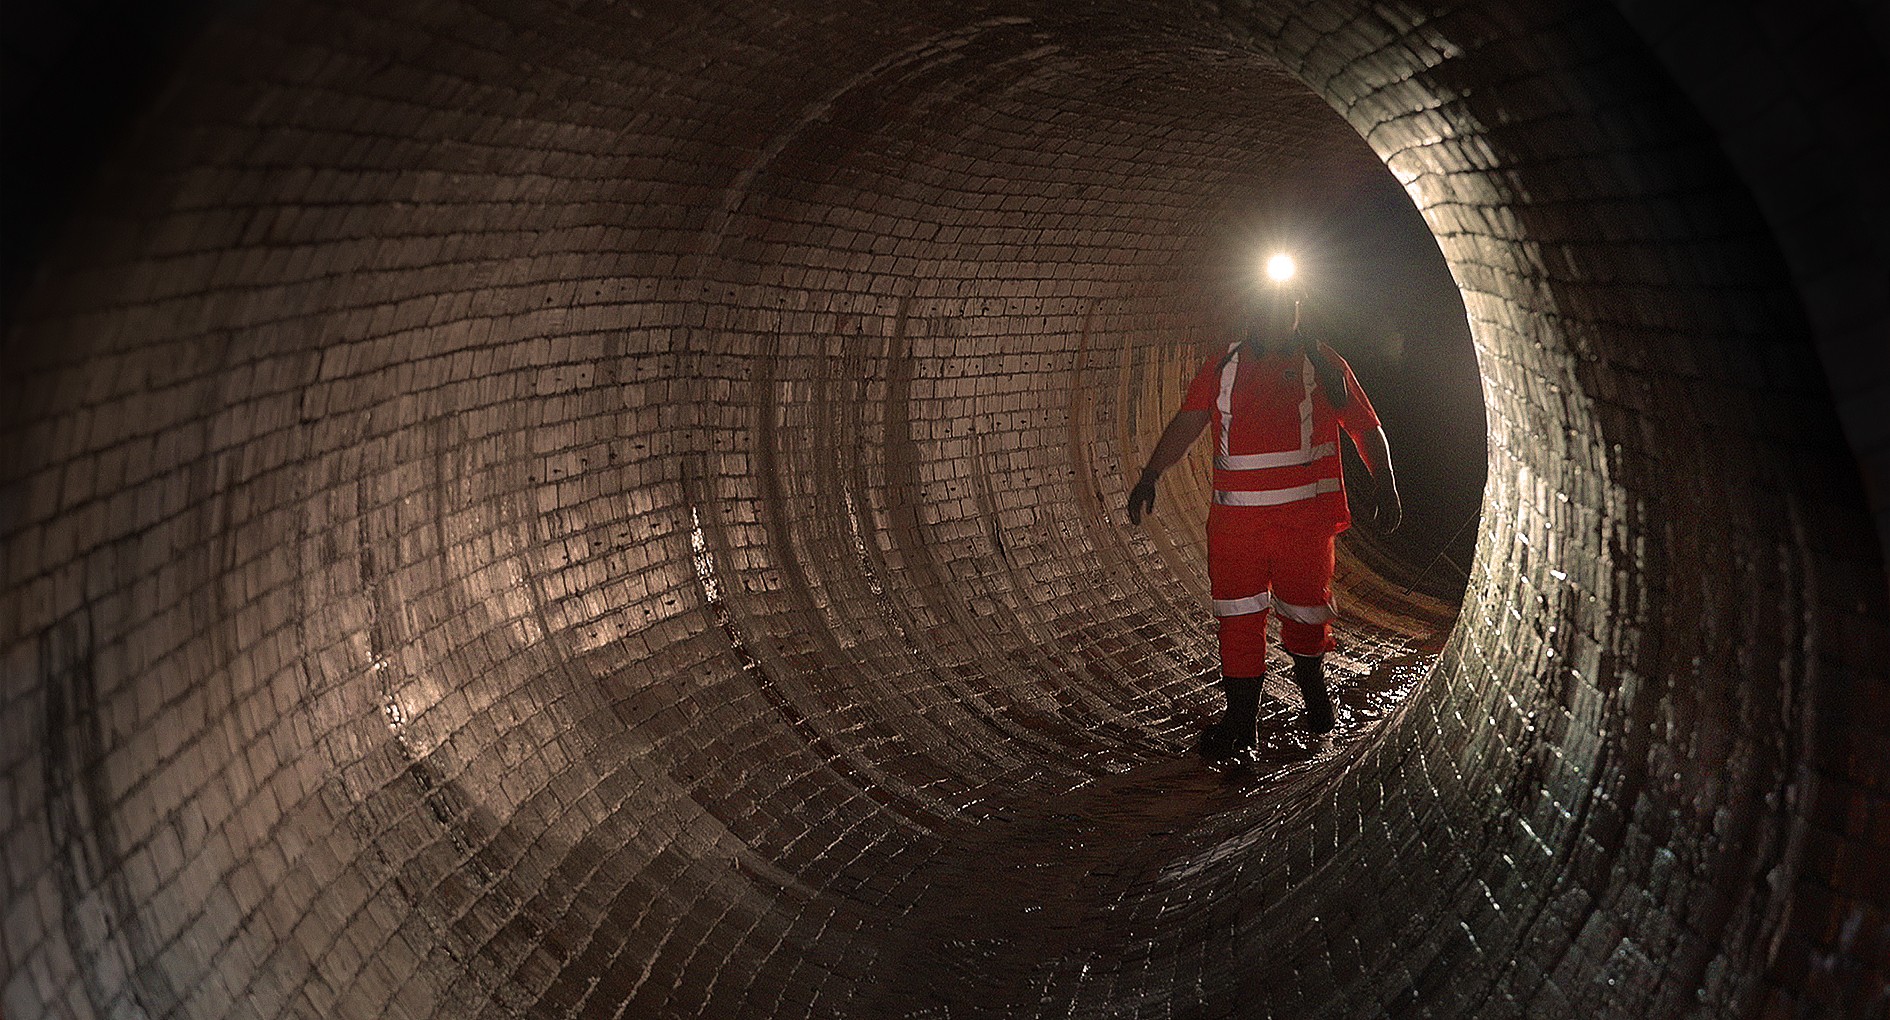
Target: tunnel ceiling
x: 599, y: 510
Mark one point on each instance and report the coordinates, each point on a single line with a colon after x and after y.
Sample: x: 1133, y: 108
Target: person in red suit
x: 1277, y: 400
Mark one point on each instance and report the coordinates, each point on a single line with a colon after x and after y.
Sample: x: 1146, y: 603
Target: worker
x: 1277, y: 400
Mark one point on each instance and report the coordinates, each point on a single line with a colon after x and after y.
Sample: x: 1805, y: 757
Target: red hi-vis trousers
x: 1257, y: 563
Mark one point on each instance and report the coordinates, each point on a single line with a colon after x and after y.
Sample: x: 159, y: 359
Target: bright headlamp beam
x: 1280, y: 268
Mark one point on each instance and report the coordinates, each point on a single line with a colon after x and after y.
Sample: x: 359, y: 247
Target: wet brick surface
x: 612, y: 511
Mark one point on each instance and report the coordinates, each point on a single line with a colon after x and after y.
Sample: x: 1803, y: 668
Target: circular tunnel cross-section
x: 593, y: 510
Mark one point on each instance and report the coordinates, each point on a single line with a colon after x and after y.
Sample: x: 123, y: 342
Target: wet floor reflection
x: 1051, y: 900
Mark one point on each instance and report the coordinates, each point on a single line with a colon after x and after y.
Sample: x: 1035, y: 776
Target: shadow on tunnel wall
x: 526, y: 509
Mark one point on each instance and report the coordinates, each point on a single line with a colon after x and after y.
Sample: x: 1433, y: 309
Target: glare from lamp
x: 1280, y: 268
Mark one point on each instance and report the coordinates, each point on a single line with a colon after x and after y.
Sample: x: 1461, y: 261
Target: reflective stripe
x: 1285, y: 458
x: 1306, y: 379
x: 1226, y: 401
x: 1241, y: 607
x: 1306, y: 614
x: 1225, y: 459
x: 1275, y: 497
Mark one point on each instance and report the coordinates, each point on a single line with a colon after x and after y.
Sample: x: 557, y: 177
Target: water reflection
x: 1037, y: 898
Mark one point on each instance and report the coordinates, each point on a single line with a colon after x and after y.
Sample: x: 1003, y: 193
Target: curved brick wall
x: 612, y: 512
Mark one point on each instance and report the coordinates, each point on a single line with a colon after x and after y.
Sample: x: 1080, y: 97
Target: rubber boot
x: 1235, y: 731
x: 1309, y: 672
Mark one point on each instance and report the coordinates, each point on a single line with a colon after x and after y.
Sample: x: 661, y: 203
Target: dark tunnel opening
x: 516, y: 509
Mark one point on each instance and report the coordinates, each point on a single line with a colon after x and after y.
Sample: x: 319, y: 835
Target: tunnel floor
x: 1077, y: 879
x: 1032, y: 899
x: 1039, y: 899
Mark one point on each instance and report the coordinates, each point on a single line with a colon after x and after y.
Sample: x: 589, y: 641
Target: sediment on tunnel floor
x: 612, y: 511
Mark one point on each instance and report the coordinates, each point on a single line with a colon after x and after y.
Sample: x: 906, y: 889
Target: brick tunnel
x: 586, y: 510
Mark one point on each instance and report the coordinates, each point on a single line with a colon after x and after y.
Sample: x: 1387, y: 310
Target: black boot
x: 1309, y: 672
x: 1234, y: 733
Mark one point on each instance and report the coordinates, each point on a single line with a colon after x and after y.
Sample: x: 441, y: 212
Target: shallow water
x: 1036, y: 898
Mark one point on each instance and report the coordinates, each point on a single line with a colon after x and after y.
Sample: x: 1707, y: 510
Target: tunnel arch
x: 335, y: 691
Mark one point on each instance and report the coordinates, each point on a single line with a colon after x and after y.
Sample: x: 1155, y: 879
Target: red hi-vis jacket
x: 1276, y: 435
